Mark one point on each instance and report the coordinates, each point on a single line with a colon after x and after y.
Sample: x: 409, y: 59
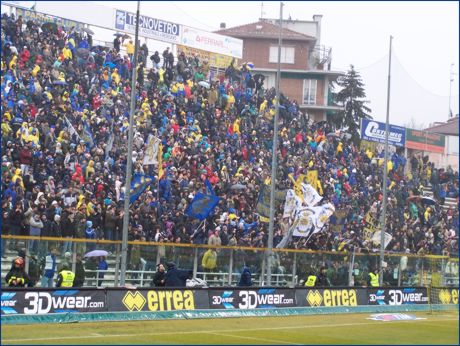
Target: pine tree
x: 352, y: 98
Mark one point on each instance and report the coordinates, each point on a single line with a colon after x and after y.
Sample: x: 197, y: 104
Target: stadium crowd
x: 65, y: 109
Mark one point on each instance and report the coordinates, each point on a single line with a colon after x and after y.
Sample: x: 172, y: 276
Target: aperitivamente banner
x: 422, y: 140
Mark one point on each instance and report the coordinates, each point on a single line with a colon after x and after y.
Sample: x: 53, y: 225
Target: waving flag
x: 139, y: 183
x: 151, y: 153
x: 209, y: 189
x: 201, y: 206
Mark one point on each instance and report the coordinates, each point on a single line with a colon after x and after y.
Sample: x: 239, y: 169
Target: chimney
x: 223, y: 25
x: 317, y: 19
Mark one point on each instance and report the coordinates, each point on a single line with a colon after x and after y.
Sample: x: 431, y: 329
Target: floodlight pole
x: 385, y: 175
x: 129, y: 163
x: 274, y: 155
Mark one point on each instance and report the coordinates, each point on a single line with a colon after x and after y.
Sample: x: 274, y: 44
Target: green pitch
x: 437, y: 328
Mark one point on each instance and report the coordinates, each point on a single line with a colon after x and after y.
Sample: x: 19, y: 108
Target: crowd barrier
x: 56, y: 301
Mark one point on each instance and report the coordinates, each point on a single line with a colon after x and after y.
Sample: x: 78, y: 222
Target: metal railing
x: 290, y: 265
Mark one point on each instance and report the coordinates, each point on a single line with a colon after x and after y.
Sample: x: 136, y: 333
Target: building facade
x: 305, y: 65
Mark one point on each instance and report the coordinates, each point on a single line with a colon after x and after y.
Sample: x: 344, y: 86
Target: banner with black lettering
x: 36, y: 302
x: 251, y: 298
x: 156, y: 300
x: 331, y: 297
x: 397, y: 296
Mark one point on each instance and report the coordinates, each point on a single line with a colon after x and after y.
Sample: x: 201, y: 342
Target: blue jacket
x: 245, y: 279
x: 176, y: 277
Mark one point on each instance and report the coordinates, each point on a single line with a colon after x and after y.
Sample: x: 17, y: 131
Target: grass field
x: 437, y: 328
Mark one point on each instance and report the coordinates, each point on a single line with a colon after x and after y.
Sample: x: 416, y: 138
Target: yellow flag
x: 160, y: 161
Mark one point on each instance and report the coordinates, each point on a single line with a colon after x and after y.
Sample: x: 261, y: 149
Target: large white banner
x: 311, y: 220
x: 376, y: 238
x: 310, y: 195
x: 211, y: 42
x: 151, y: 153
x: 292, y: 203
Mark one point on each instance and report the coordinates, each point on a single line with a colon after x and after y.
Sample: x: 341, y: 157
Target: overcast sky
x: 426, y: 42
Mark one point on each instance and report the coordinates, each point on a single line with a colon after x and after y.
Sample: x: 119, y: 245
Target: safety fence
x: 221, y: 265
x: 53, y: 301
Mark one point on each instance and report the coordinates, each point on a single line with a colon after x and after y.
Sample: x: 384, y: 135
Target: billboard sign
x: 156, y: 300
x: 331, y: 297
x: 374, y: 131
x: 211, y: 42
x: 251, y: 298
x: 46, y: 18
x: 215, y: 60
x: 422, y: 140
x: 397, y: 296
x: 53, y: 301
x: 153, y: 28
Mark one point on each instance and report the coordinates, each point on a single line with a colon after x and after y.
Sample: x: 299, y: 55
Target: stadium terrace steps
x: 448, y: 203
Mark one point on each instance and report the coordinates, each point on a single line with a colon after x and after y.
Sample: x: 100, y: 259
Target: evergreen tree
x: 352, y: 98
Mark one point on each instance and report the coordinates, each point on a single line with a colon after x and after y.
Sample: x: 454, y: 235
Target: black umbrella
x: 428, y: 200
x: 83, y: 53
x: 51, y: 27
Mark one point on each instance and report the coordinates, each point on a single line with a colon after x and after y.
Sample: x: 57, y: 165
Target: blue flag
x: 209, y: 189
x: 138, y: 185
x: 201, y: 206
x: 165, y: 189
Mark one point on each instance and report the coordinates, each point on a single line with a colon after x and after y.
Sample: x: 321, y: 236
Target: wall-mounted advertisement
x: 211, y: 42
x: 374, y: 131
x: 153, y: 28
x: 422, y: 140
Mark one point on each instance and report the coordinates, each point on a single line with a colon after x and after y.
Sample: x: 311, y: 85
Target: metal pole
x: 195, y: 263
x: 230, y: 268
x: 294, y: 270
x: 385, y: 175
x: 117, y: 265
x: 124, y: 244
x: 274, y: 155
x: 450, y: 89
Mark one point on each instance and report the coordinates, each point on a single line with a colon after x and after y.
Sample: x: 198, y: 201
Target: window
x: 287, y: 55
x: 309, y: 91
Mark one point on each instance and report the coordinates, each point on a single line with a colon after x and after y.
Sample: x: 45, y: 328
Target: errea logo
x: 134, y: 301
x: 314, y: 298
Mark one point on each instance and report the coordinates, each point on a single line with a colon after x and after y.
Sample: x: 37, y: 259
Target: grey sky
x: 426, y: 42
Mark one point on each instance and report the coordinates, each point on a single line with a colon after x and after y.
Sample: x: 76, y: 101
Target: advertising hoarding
x: 156, y: 300
x: 211, y: 42
x: 374, y: 131
x: 35, y: 302
x: 153, y: 28
x: 397, y: 296
x: 252, y: 298
x: 422, y: 140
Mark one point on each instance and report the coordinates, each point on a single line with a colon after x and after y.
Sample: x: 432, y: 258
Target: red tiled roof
x: 264, y: 30
x: 448, y: 128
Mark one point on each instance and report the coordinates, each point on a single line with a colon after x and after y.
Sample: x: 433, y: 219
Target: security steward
x: 65, y: 277
x: 311, y: 280
x: 373, y: 279
x: 17, y: 276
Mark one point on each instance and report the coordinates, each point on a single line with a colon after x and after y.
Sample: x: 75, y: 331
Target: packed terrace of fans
x: 65, y: 110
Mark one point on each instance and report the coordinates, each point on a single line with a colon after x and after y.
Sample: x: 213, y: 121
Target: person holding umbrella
x: 102, y: 267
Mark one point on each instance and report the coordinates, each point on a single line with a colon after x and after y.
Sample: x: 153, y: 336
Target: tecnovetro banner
x: 53, y: 301
x: 251, y: 298
x: 374, y: 131
x: 156, y: 29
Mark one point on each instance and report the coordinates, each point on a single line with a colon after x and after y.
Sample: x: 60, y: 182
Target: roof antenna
x: 262, y: 10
